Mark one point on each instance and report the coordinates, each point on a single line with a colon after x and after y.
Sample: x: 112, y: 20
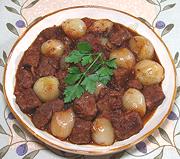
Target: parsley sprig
x: 96, y: 70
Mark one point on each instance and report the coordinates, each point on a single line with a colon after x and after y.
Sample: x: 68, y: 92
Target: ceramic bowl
x: 95, y: 12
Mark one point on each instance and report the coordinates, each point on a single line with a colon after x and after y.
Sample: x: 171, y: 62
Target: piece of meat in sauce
x: 109, y: 99
x: 24, y: 78
x: 94, y: 40
x: 154, y: 96
x: 119, y: 78
x: 27, y: 100
x: 44, y: 113
x: 88, y: 21
x: 85, y: 106
x: 134, y: 84
x: 111, y: 114
x: 127, y: 124
x: 119, y: 35
x: 81, y: 133
x: 51, y: 33
x: 31, y: 56
x: 60, y: 75
x: 47, y: 66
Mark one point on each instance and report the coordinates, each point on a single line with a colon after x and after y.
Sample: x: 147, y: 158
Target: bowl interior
x: 26, y: 40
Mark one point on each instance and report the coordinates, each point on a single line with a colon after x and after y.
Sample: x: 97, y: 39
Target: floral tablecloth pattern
x: 163, y: 16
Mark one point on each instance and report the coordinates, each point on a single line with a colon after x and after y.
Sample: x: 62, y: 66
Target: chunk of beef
x: 24, y: 78
x: 60, y: 75
x: 154, y: 96
x: 127, y: 124
x: 119, y: 35
x: 27, y: 100
x: 81, y: 133
x: 85, y: 106
x: 109, y: 100
x: 119, y: 78
x: 31, y: 56
x: 94, y: 40
x: 134, y: 84
x: 47, y: 66
x: 88, y: 21
x: 112, y: 114
x: 43, y: 114
x: 51, y: 33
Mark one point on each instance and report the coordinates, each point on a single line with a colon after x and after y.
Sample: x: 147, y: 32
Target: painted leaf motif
x: 1, y: 62
x: 3, y: 151
x: 159, y: 156
x: 178, y: 92
x: 1, y: 87
x: 178, y: 133
x: 162, y: 1
x: 167, y: 29
x: 16, y: 2
x: 12, y: 10
x: 176, y: 57
x: 172, y: 116
x: 141, y: 146
x: 151, y: 1
x: 153, y: 140
x: 4, y: 56
x: 31, y: 155
x: 164, y: 135
x: 144, y: 21
x: 12, y: 29
x: 178, y: 65
x: 169, y: 6
x: 178, y: 150
x: 2, y: 131
x: 32, y: 4
x: 19, y: 132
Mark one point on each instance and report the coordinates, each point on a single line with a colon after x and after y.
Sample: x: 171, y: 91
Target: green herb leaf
x: 104, y: 74
x: 72, y: 92
x: 86, y: 60
x: 98, y: 70
x: 74, y: 57
x: 74, y: 70
x: 111, y: 63
x: 90, y: 82
x: 84, y: 46
x: 72, y: 78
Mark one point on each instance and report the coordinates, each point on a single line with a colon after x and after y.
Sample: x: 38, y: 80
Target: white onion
x: 52, y: 48
x: 149, y: 72
x: 47, y: 88
x: 62, y: 123
x: 142, y: 47
x: 103, y: 132
x: 74, y: 28
x: 101, y: 26
x: 133, y: 99
x: 124, y: 58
